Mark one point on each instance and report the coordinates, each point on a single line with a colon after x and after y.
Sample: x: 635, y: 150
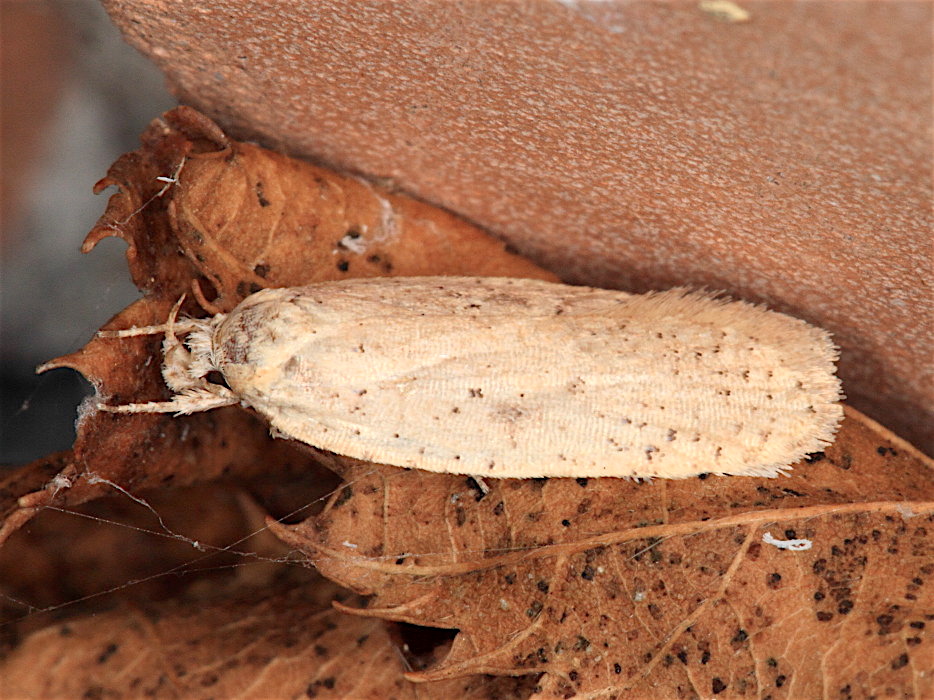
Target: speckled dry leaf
x: 280, y: 643
x: 662, y: 589
x: 197, y: 208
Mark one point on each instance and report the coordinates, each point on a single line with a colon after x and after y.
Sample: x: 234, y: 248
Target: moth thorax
x: 246, y: 344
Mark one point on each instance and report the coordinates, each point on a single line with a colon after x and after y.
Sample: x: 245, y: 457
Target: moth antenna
x: 183, y: 403
x: 180, y: 327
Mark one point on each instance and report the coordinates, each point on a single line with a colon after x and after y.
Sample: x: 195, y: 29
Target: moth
x: 501, y: 377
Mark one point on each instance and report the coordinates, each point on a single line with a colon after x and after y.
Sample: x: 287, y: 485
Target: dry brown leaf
x: 274, y: 643
x: 609, y: 587
x: 662, y: 589
x: 205, y: 214
x: 150, y: 546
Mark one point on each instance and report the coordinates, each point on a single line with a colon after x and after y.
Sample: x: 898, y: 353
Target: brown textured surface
x: 271, y: 643
x: 662, y: 589
x: 634, y: 145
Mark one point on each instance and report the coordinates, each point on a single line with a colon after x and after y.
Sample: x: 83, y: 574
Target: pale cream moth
x: 502, y: 377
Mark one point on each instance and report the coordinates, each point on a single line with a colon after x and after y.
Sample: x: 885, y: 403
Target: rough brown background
x: 786, y: 159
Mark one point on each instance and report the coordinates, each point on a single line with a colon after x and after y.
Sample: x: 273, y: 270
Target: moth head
x: 188, y: 367
x: 190, y: 363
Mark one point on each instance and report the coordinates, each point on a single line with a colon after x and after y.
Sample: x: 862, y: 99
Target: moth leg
x: 481, y: 484
x: 183, y: 403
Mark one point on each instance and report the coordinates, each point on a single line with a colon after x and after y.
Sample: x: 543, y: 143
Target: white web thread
x: 190, y: 567
x: 93, y: 478
x: 169, y: 182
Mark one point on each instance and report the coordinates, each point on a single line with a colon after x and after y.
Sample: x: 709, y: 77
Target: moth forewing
x: 521, y: 378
